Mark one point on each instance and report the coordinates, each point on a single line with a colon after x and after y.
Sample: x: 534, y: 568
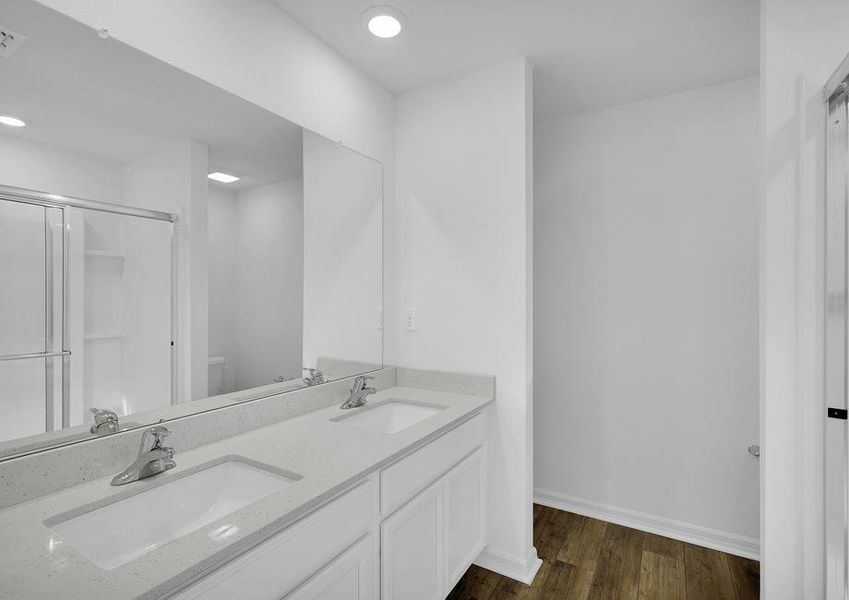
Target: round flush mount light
x: 11, y: 121
x: 384, y: 21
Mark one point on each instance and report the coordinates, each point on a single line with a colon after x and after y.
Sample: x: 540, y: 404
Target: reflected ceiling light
x: 223, y: 177
x: 12, y: 121
x: 384, y: 21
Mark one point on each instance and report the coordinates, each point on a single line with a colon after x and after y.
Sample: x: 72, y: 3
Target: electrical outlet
x: 410, y: 319
x: 380, y: 317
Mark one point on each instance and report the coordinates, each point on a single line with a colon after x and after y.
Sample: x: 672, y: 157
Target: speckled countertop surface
x: 36, y: 563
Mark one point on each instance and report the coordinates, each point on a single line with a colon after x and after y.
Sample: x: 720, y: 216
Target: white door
x: 351, y: 576
x: 412, y: 549
x: 464, y: 515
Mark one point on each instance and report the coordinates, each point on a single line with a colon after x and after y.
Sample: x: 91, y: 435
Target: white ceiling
x: 107, y: 100
x: 587, y: 54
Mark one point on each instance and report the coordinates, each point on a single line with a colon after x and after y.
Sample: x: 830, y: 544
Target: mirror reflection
x: 165, y: 246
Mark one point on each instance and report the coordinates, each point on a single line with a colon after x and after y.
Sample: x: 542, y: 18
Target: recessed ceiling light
x: 12, y: 121
x: 223, y: 177
x: 384, y: 21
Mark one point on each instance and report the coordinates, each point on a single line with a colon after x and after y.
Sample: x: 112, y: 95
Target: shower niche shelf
x: 114, y: 254
x: 105, y: 335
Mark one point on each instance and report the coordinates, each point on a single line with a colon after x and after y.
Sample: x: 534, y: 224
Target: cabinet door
x: 465, y: 515
x: 352, y: 576
x: 412, y: 549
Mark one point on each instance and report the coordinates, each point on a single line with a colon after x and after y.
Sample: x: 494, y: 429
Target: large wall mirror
x: 166, y: 246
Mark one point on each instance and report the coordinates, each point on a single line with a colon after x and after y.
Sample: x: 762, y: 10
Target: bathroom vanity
x: 411, y: 530
x: 382, y: 501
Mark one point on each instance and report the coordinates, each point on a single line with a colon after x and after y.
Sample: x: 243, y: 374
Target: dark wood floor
x: 586, y: 559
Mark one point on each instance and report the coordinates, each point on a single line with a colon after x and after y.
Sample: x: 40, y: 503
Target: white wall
x: 279, y: 66
x: 54, y: 170
x: 173, y: 180
x: 256, y: 264
x: 801, y: 45
x: 270, y: 266
x: 646, y: 308
x: 463, y: 225
x: 223, y: 286
x: 342, y: 254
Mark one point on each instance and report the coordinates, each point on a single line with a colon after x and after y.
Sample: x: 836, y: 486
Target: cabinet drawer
x: 279, y: 564
x: 404, y: 479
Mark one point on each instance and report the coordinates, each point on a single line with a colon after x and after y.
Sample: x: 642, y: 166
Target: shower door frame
x: 836, y: 376
x: 63, y: 203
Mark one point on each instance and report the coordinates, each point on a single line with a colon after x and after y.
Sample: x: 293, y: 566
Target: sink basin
x: 391, y: 416
x: 119, y: 532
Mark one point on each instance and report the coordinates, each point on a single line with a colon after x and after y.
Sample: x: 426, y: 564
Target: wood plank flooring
x: 587, y: 559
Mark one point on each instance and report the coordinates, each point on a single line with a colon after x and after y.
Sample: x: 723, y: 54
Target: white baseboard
x: 514, y: 567
x: 715, y: 539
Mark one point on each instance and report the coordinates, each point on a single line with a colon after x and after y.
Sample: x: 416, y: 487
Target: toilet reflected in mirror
x: 217, y: 370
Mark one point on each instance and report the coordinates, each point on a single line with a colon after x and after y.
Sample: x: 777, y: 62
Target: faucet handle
x: 314, y: 376
x: 104, y: 418
x: 158, y: 433
x: 101, y: 415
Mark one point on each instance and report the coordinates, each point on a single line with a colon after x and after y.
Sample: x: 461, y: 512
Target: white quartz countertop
x: 330, y: 456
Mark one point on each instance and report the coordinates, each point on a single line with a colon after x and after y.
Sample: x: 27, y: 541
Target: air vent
x: 9, y: 41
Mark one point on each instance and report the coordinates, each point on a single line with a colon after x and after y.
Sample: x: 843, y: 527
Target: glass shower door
x: 31, y: 319
x: 120, y: 313
x: 87, y: 309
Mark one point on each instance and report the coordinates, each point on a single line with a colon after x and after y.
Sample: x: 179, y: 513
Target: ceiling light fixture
x: 12, y: 121
x: 384, y: 21
x: 223, y: 177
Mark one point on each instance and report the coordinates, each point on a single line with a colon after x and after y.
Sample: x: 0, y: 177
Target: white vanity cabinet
x: 408, y: 532
x: 428, y: 544
x: 430, y: 536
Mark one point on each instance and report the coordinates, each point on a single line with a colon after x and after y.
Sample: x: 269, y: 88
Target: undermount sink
x: 391, y: 416
x: 117, y: 533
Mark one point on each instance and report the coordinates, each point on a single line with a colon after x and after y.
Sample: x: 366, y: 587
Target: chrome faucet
x: 149, y: 462
x: 105, y: 422
x: 315, y: 377
x: 359, y: 392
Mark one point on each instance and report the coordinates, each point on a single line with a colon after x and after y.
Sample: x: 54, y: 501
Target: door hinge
x: 837, y: 413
